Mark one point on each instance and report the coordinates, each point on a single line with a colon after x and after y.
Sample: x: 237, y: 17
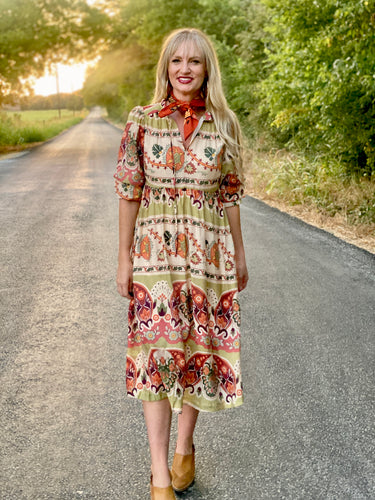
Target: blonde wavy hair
x: 225, y: 119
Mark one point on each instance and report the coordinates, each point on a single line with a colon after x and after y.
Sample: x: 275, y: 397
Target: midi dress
x: 184, y: 317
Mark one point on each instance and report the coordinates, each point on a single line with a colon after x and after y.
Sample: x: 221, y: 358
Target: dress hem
x: 142, y: 397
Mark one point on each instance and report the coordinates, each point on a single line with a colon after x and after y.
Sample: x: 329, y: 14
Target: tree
x: 35, y: 34
x: 122, y: 79
x: 245, y: 67
x: 321, y: 89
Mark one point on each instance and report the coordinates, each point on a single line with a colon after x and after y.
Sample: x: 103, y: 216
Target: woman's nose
x: 185, y: 68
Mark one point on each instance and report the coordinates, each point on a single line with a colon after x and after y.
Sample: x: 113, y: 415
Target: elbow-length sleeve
x: 231, y: 187
x: 129, y: 175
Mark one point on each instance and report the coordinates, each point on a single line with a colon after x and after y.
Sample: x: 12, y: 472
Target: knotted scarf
x: 188, y: 107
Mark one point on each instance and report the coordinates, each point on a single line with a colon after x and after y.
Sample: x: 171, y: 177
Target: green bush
x: 321, y: 89
x: 7, y: 131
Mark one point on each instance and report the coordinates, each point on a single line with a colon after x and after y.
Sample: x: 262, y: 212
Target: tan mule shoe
x: 162, y: 493
x: 183, y: 471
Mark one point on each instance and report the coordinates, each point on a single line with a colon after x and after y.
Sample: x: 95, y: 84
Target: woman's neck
x: 185, y: 97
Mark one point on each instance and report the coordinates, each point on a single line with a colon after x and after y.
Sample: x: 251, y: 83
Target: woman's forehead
x: 187, y: 49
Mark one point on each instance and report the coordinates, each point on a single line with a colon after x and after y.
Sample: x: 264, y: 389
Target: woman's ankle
x: 184, y: 446
x: 161, y: 477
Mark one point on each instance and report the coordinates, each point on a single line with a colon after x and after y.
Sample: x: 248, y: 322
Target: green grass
x: 298, y: 180
x: 35, y: 115
x: 21, y: 128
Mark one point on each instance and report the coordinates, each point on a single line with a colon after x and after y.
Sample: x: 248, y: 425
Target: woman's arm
x: 128, y: 211
x: 233, y: 214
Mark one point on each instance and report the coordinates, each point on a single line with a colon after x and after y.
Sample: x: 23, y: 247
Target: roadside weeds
x: 345, y: 209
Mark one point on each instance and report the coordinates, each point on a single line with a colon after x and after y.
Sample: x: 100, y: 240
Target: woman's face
x: 186, y: 71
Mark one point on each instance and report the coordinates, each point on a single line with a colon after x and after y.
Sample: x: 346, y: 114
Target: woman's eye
x: 175, y: 60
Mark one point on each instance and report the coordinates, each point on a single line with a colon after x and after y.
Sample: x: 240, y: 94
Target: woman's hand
x: 125, y: 278
x: 242, y: 274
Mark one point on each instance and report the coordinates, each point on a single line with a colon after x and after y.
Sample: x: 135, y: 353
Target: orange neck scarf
x: 188, y: 108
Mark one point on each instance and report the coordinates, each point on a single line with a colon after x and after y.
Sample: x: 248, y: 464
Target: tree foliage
x: 35, y: 34
x: 122, y: 79
x: 321, y: 89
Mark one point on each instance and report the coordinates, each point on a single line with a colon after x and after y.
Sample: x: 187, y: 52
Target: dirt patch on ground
x: 4, y: 150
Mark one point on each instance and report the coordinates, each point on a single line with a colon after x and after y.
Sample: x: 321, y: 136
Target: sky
x: 71, y: 78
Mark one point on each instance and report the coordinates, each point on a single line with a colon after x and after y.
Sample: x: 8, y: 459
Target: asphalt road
x: 306, y: 430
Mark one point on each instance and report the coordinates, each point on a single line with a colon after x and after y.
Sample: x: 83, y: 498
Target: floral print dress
x: 184, y: 319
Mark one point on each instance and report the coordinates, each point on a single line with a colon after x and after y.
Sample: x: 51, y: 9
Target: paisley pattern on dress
x: 202, y: 376
x: 186, y: 314
x: 184, y: 318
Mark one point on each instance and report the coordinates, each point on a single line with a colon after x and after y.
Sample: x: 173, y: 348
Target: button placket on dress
x: 186, y: 149
x: 170, y: 129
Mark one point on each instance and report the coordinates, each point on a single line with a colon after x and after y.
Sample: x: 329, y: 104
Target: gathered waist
x: 173, y: 196
x: 183, y: 188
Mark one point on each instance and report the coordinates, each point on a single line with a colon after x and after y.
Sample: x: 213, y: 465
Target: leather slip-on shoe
x: 183, y: 471
x: 162, y: 493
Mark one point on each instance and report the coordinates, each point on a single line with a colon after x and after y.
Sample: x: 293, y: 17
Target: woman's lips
x: 184, y: 80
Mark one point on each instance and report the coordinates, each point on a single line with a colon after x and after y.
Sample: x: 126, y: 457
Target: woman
x: 181, y: 255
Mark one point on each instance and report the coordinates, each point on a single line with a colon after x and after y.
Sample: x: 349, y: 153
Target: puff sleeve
x: 129, y: 175
x: 231, y: 187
